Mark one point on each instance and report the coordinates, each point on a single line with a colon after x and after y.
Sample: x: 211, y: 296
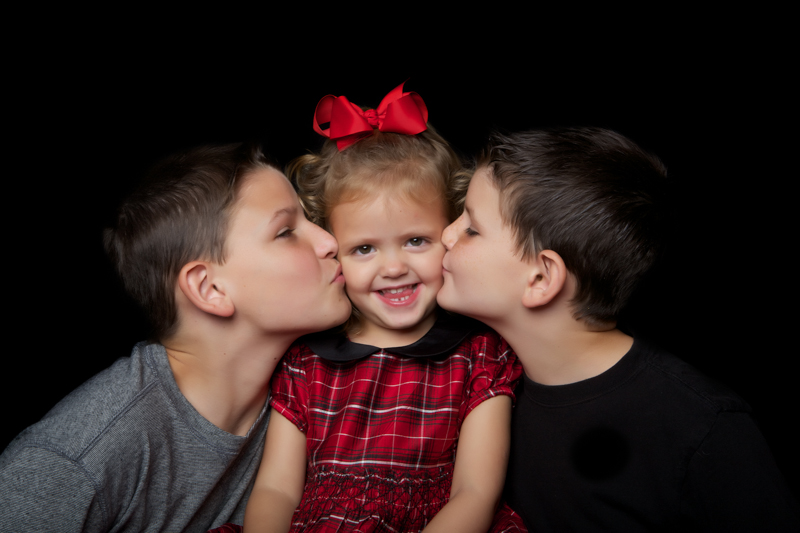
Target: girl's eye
x: 364, y: 249
x: 471, y: 232
x: 416, y: 241
x: 287, y: 232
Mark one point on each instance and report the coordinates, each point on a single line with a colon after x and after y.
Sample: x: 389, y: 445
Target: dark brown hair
x: 592, y: 196
x: 179, y: 214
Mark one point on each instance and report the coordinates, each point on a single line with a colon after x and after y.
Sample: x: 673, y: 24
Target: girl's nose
x: 393, y: 266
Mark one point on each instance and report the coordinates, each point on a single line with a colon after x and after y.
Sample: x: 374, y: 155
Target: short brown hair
x: 179, y: 214
x: 592, y: 196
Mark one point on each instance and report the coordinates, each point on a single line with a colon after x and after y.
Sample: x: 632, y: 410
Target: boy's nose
x: 325, y: 244
x: 449, y: 235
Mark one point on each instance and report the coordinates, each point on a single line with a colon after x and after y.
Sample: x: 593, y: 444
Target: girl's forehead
x: 395, y: 197
x: 386, y: 218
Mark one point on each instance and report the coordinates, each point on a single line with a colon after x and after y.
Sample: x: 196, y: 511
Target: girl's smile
x: 399, y: 296
x: 391, y: 254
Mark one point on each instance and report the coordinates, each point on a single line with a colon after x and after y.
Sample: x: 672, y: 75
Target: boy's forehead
x: 482, y: 191
x: 263, y: 184
x: 483, y: 176
x: 265, y: 193
x: 263, y: 173
x: 485, y: 206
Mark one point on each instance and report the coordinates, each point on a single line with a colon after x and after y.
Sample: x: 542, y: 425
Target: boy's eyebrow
x: 291, y: 211
x: 469, y: 214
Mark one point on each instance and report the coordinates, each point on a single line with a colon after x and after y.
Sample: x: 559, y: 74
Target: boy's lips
x: 337, y: 277
x: 444, y: 261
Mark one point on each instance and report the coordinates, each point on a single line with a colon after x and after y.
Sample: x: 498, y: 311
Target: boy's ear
x: 196, y: 283
x: 546, y: 279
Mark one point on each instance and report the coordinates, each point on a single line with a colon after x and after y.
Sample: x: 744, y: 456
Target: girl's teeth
x: 395, y: 291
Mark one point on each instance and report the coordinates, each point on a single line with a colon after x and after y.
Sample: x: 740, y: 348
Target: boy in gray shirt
x: 216, y: 249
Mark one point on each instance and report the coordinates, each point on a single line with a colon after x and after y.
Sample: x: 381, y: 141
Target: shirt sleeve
x: 495, y: 371
x: 40, y: 490
x: 289, y: 389
x: 507, y: 521
x: 733, y: 483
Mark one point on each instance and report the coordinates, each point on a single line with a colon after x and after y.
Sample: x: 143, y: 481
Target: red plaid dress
x: 382, y: 429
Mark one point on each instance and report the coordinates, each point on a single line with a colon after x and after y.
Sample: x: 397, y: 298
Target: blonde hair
x: 415, y: 166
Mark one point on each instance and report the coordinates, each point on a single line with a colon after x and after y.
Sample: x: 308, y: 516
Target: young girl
x: 401, y: 422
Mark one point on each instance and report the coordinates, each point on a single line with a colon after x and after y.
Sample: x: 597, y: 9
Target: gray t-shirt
x: 127, y: 452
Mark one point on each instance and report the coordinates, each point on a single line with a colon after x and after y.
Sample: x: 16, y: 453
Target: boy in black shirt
x: 609, y: 434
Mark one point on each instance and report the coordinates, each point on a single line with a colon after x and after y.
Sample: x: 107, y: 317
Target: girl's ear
x: 546, y: 279
x: 196, y: 283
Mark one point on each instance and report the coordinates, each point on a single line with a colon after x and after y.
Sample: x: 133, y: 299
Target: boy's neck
x: 558, y: 350
x: 224, y: 376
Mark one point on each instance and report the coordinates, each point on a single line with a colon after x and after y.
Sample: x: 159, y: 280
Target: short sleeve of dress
x: 289, y: 395
x: 495, y: 370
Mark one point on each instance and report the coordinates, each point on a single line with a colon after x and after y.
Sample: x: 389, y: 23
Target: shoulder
x: 668, y: 371
x: 490, y: 357
x: 484, y: 342
x: 299, y: 348
x: 298, y: 364
x: 299, y: 355
x: 61, y: 464
x: 487, y: 354
x: 43, y: 490
x: 83, y: 418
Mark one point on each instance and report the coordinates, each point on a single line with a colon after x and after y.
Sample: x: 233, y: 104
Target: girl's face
x: 391, y: 254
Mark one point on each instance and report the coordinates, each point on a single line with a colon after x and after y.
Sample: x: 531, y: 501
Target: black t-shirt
x: 649, y: 445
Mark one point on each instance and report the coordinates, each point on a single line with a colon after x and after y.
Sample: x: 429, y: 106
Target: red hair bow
x: 398, y: 112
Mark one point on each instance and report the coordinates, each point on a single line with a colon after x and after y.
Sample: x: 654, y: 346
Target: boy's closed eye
x: 285, y: 233
x: 471, y: 232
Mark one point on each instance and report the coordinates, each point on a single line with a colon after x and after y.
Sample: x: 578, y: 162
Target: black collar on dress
x: 447, y: 332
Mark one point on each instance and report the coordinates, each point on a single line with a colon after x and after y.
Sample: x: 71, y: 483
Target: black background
x: 92, y: 111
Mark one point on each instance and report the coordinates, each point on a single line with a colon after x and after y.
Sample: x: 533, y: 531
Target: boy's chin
x: 347, y: 309
x: 335, y: 318
x: 445, y: 301
x: 450, y: 301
